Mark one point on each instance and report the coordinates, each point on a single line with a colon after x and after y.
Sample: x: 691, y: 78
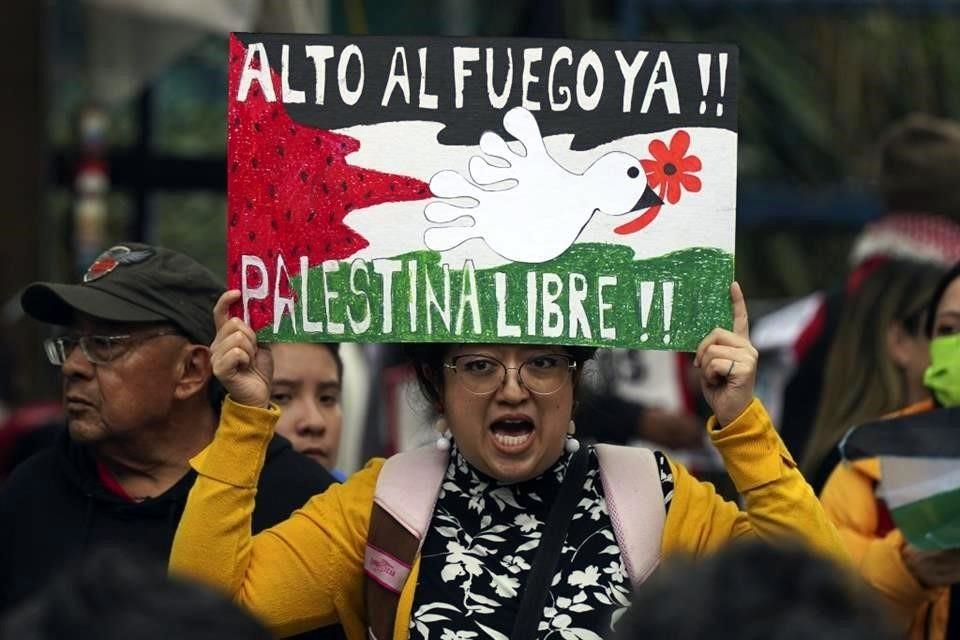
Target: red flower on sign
x: 670, y: 173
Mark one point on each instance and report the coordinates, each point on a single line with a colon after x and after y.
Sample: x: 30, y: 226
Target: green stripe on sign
x: 932, y: 523
x: 594, y: 294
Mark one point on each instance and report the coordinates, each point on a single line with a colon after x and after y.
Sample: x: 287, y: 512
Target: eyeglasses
x: 541, y: 375
x: 97, y: 349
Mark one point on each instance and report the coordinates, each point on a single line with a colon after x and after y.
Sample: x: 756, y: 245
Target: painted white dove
x: 532, y: 209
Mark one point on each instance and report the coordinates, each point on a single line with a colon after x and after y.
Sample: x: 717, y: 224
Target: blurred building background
x: 113, y: 119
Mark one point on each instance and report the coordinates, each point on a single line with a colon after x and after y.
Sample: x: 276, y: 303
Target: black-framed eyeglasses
x: 97, y: 349
x: 542, y: 375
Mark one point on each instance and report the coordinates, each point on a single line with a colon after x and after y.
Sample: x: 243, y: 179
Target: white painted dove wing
x: 526, y: 206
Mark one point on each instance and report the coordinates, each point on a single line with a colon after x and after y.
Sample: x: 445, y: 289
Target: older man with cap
x: 140, y: 401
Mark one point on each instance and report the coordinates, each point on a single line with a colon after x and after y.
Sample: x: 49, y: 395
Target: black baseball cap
x: 134, y: 283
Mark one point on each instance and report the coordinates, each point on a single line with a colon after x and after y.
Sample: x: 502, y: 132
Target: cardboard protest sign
x: 481, y: 190
x: 919, y: 459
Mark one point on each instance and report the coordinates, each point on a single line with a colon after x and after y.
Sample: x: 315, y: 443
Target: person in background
x: 140, y: 400
x: 306, y: 387
x: 918, y: 169
x: 754, y: 591
x: 25, y: 427
x: 112, y: 595
x: 877, y: 359
x: 28, y: 429
x: 920, y: 586
x: 610, y: 397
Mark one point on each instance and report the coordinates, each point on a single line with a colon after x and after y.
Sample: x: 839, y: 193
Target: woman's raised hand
x: 244, y: 368
x: 728, y: 364
x: 932, y: 568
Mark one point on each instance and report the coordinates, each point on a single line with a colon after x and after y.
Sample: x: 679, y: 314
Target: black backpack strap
x: 548, y: 552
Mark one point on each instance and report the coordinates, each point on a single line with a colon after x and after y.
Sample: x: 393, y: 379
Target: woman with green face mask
x: 922, y: 587
x: 943, y: 328
x: 877, y: 360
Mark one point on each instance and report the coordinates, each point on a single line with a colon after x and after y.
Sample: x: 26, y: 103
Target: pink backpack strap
x: 408, y: 486
x: 631, y: 485
x: 403, y: 503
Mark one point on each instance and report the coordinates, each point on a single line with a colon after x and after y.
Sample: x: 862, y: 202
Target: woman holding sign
x: 508, y: 528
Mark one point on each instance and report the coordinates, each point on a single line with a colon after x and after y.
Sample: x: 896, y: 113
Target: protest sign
x: 481, y: 190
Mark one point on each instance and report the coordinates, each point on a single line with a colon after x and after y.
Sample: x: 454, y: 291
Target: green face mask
x: 943, y: 375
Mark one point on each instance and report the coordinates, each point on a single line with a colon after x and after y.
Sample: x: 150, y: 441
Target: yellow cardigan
x: 850, y: 500
x: 308, y: 571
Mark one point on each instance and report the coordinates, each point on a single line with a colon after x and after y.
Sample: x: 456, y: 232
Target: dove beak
x: 647, y: 199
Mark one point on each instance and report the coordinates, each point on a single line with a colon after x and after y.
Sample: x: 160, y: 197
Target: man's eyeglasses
x: 541, y: 375
x: 97, y: 349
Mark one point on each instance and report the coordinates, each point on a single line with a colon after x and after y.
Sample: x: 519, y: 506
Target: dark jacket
x: 54, y: 511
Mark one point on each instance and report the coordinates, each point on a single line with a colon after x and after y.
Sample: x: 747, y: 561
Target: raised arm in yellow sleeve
x: 304, y: 572
x: 850, y: 502
x: 779, y: 502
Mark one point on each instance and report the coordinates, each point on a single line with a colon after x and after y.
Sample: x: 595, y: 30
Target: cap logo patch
x: 112, y: 258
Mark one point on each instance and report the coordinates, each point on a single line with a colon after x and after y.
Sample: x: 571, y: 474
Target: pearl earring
x: 572, y: 445
x: 443, y: 441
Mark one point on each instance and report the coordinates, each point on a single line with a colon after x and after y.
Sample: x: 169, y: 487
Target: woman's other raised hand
x: 728, y: 364
x: 244, y: 368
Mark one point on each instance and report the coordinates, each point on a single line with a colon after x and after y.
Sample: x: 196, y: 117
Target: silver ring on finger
x: 733, y: 363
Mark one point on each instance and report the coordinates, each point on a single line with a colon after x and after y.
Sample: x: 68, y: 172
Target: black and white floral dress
x: 482, y: 542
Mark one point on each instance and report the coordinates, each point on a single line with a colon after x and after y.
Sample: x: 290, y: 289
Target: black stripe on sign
x: 933, y: 434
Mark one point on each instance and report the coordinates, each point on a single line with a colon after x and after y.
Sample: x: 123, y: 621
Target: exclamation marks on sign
x: 704, y: 60
x: 645, y: 293
x: 667, y: 310
x: 646, y: 300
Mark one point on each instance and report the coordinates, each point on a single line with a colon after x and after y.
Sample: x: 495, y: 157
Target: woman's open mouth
x: 512, y: 434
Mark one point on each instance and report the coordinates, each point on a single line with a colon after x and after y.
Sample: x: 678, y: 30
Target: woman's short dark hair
x: 427, y: 360
x: 937, y: 297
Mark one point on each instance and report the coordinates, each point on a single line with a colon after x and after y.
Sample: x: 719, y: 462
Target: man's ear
x: 195, y: 372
